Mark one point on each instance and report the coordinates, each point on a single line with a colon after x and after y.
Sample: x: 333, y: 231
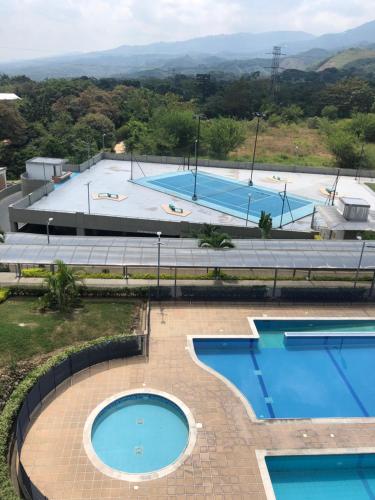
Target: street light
x: 258, y: 117
x: 88, y: 196
x: 364, y: 245
x: 103, y: 137
x: 248, y: 209
x: 197, y: 141
x: 48, y: 223
x: 158, y: 281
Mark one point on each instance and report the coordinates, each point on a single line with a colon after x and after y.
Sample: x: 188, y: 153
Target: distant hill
x: 349, y: 59
x: 234, y: 54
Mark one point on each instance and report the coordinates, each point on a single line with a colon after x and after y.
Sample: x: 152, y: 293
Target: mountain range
x: 234, y: 54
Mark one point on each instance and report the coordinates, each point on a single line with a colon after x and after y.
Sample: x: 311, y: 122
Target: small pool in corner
x: 139, y: 433
x: 323, y: 477
x: 300, y: 368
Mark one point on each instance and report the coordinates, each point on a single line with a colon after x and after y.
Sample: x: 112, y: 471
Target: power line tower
x: 275, y: 67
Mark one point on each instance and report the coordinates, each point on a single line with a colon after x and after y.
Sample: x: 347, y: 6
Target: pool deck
x: 223, y: 464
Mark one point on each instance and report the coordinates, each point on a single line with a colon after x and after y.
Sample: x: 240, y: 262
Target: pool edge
x: 146, y: 476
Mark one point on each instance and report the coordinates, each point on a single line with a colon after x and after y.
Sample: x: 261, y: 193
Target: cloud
x: 32, y: 28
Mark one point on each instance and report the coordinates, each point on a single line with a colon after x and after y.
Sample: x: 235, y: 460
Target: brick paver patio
x: 223, y: 464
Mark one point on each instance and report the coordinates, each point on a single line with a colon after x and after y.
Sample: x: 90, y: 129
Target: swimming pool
x: 323, y: 477
x: 139, y: 436
x: 299, y: 377
x: 231, y: 196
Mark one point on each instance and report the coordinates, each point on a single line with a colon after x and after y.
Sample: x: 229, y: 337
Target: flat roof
x: 112, y: 176
x: 45, y: 160
x: 335, y: 221
x: 358, y: 202
x: 4, y: 96
x: 256, y: 254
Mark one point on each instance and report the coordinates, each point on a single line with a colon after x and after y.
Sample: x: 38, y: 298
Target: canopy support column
x: 274, y: 284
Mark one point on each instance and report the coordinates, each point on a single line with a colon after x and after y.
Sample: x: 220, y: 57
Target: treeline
x: 75, y: 118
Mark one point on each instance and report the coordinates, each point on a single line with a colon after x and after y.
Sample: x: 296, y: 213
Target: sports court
x: 231, y: 196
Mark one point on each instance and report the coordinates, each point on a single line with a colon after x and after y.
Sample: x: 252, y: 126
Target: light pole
x: 103, y: 143
x: 364, y: 245
x: 197, y: 141
x: 88, y: 196
x: 357, y: 176
x: 158, y: 281
x: 258, y: 117
x: 248, y: 209
x: 48, y: 223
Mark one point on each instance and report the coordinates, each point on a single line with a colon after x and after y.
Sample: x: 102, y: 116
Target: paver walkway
x: 223, y: 464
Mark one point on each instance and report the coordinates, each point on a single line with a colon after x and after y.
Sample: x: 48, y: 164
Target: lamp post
x: 197, y: 141
x: 258, y: 117
x: 103, y: 143
x: 364, y: 245
x: 248, y: 209
x: 88, y: 196
x: 158, y: 281
x: 48, y: 223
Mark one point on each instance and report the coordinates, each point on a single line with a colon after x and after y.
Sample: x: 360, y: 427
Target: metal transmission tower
x: 275, y: 67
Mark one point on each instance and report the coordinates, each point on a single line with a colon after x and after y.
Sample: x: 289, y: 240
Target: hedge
x: 9, y: 414
x: 339, y: 294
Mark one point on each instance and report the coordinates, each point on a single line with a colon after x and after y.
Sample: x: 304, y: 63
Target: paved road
x: 4, y: 217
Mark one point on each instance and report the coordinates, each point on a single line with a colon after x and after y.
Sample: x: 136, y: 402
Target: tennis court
x: 231, y: 196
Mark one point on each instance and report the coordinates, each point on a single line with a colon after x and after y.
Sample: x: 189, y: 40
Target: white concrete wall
x: 42, y: 171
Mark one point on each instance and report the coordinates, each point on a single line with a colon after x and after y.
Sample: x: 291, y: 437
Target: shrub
x: 35, y: 272
x: 4, y: 293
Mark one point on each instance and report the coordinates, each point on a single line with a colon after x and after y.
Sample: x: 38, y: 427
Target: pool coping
x: 263, y: 469
x: 254, y: 335
x: 146, y: 476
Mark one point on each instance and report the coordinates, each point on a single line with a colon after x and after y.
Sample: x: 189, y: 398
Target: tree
x: 62, y: 294
x: 265, y: 224
x: 223, y: 136
x: 330, y: 112
x: 291, y: 114
x: 173, y: 131
x: 212, y: 237
x: 346, y: 148
x: 2, y: 236
x: 363, y: 125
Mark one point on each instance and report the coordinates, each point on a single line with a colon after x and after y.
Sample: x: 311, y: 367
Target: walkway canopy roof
x: 32, y: 249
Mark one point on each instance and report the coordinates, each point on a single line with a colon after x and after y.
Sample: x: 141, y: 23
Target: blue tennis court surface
x: 231, y: 196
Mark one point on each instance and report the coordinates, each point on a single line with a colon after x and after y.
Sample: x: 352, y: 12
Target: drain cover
x: 138, y: 450
x: 140, y: 421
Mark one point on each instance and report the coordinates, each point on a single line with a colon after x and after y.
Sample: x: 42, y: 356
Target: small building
x: 3, y: 178
x: 349, y: 219
x: 47, y: 169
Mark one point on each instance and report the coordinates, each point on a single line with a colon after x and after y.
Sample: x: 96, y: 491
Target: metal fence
x: 49, y: 382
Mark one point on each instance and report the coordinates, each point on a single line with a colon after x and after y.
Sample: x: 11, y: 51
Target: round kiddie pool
x: 139, y: 435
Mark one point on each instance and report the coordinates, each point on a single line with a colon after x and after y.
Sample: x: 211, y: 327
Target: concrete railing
x: 4, y: 193
x: 175, y: 160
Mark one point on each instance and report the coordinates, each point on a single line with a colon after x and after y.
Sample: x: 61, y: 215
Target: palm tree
x: 212, y: 237
x: 62, y: 291
x: 265, y: 224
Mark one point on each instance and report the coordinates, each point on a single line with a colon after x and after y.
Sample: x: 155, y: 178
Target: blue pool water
x: 140, y: 433
x: 231, y: 196
x: 323, y: 477
x: 299, y: 377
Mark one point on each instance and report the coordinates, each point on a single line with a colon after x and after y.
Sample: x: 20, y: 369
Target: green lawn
x: 24, y: 332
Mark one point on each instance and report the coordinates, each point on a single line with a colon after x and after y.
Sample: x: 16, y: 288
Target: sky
x: 38, y: 28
